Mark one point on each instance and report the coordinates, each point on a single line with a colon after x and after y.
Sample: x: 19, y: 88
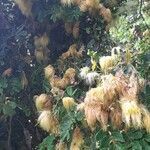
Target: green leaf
x: 79, y: 116
x: 46, y: 85
x: 136, y: 145
x: 69, y: 90
x: 65, y: 128
x: 9, y: 108
x: 104, y: 142
x: 145, y: 144
x: 117, y: 136
x: 147, y: 137
x: 48, y: 143
x: 103, y: 138
x: 119, y: 146
x: 15, y: 85
x: 3, y: 83
x: 135, y: 135
x: 138, y: 135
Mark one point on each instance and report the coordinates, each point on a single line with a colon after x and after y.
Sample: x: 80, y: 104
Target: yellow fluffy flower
x: 131, y: 113
x: 68, y: 102
x: 146, y: 122
x: 77, y: 139
x: 48, y: 122
x: 82, y: 5
x: 106, y: 63
x: 49, y: 72
x: 43, y: 102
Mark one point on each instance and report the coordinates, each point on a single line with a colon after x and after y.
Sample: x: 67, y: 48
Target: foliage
x: 118, y: 140
x: 122, y: 33
x: 68, y: 123
x: 59, y: 12
x: 8, y: 90
x: 129, y: 30
x: 47, y: 143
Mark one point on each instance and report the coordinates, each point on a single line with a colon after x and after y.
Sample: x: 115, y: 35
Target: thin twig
x: 9, y: 134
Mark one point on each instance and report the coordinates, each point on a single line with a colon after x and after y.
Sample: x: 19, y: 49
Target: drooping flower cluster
x: 46, y: 120
x: 41, y: 50
x: 62, y: 83
x: 116, y: 99
x: 41, y: 41
x: 58, y: 84
x: 73, y: 28
x: 72, y: 52
x: 25, y: 6
x: 77, y: 139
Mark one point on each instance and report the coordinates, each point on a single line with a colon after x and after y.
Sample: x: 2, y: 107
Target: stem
x: 9, y: 134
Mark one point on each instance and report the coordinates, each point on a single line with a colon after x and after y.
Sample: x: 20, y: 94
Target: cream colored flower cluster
x: 58, y: 84
x: 46, y: 120
x: 116, y: 99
